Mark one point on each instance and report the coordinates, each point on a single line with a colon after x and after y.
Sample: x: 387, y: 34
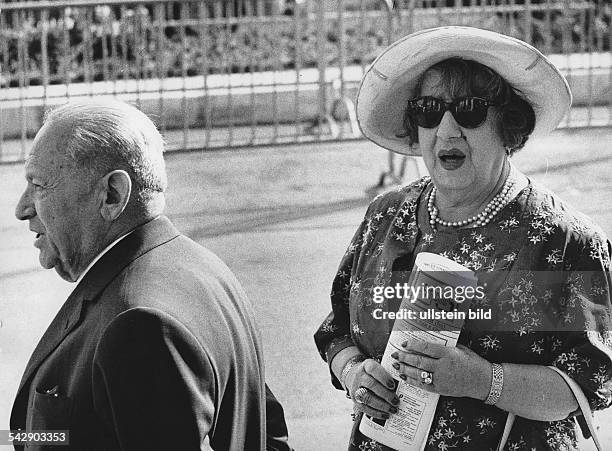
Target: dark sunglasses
x: 469, y: 112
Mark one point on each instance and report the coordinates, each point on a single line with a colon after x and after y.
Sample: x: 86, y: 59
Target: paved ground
x: 281, y: 218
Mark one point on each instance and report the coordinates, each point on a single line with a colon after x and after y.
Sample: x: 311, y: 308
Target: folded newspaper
x: 437, y: 318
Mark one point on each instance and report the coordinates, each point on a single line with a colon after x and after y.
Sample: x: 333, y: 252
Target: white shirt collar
x: 99, y: 256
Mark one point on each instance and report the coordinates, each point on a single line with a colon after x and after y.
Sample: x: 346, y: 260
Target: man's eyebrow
x: 29, y: 174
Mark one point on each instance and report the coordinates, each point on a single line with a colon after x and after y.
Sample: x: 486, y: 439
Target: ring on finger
x: 426, y: 377
x: 355, y: 412
x: 360, y: 395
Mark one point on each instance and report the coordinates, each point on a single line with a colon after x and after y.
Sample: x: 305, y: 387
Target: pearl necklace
x: 483, y: 218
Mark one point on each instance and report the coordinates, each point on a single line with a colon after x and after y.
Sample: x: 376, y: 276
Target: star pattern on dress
x: 536, y: 347
x: 490, y: 343
x: 522, y: 301
x: 554, y: 257
x: 509, y: 224
x: 485, y: 423
x: 535, y: 239
x: 370, y: 445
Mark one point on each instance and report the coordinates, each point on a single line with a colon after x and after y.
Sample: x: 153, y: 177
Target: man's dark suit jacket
x: 156, y: 348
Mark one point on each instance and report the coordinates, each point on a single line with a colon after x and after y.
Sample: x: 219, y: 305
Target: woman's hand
x: 372, y: 389
x: 456, y: 371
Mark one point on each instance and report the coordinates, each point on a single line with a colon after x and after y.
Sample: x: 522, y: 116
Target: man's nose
x: 448, y: 127
x: 25, y: 207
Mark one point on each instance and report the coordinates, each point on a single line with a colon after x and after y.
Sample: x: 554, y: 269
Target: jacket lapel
x: 138, y: 242
x: 65, y: 320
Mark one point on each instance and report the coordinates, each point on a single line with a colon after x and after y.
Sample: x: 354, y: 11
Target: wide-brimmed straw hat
x: 390, y: 80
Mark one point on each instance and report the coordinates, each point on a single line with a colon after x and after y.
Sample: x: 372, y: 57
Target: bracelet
x: 497, y: 384
x: 350, y: 364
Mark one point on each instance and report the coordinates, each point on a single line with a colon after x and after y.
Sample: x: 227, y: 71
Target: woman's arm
x: 334, y: 334
x: 341, y: 359
x: 534, y: 392
x: 379, y: 399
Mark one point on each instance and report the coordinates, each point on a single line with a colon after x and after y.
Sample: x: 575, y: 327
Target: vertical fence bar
x: 228, y: 70
x: 218, y: 32
x: 251, y: 33
x: 88, y: 49
x: 106, y: 31
x: 115, y: 31
x: 263, y: 43
x: 389, y: 16
x: 412, y: 11
x: 241, y: 30
x: 276, y: 62
x: 67, y: 56
x: 44, y: 54
x: 548, y: 27
x: 160, y: 63
x: 4, y: 62
x: 363, y: 39
x: 528, y: 23
x: 137, y: 50
x: 124, y: 30
x: 204, y: 43
x: 341, y: 59
x: 567, y: 47
x: 297, y: 23
x: 185, y: 47
x: 19, y: 18
x: 589, y: 24
x: 322, y: 64
x: 609, y: 65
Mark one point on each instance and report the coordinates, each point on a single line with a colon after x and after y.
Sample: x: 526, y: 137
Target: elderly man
x: 156, y: 347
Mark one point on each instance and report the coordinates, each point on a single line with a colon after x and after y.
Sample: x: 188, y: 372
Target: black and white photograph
x: 306, y: 225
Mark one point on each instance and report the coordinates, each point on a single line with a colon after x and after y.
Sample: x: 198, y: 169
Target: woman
x: 466, y: 100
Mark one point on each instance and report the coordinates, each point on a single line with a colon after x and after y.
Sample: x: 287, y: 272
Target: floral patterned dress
x: 545, y: 269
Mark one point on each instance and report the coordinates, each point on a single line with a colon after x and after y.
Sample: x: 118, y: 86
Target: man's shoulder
x: 180, y: 278
x: 178, y: 262
x: 186, y: 290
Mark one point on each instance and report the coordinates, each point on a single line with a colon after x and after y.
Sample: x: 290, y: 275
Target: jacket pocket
x: 50, y: 410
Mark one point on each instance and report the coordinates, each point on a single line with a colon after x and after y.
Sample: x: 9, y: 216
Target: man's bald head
x: 106, y: 135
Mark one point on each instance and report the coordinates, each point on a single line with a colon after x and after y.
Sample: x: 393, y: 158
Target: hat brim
x: 390, y: 80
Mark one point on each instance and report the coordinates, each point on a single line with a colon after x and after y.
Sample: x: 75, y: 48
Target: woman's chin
x: 456, y: 179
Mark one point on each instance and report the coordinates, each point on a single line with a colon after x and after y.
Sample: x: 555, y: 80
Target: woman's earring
x: 508, y: 150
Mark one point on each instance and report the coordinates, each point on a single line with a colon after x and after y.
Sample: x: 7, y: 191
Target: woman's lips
x: 451, y: 159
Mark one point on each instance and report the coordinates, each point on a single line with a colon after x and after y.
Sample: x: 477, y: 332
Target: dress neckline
x: 422, y: 215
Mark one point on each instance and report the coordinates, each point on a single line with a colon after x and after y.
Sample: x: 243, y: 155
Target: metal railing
x: 217, y: 73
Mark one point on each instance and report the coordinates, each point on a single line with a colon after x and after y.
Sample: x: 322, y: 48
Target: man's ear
x: 115, y: 194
